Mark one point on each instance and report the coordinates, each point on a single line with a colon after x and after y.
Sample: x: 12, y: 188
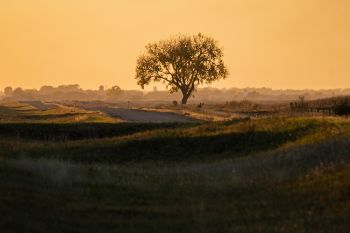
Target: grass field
x: 38, y: 112
x: 261, y: 175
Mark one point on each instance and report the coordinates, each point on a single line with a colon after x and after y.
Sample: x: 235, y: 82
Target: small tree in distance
x: 182, y: 63
x: 114, y: 92
x: 8, y: 91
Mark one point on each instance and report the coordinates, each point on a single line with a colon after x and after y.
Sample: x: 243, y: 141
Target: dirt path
x: 134, y: 115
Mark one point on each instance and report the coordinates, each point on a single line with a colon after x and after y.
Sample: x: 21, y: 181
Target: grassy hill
x: 261, y: 175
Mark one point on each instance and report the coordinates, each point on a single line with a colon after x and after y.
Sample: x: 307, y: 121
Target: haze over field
x: 279, y: 44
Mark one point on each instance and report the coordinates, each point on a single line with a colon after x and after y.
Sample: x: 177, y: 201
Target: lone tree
x: 182, y: 63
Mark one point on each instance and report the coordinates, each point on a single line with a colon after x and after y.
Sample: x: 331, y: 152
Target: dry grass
x: 298, y: 181
x: 11, y: 111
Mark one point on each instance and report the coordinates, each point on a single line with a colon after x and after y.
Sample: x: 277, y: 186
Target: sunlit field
x: 275, y: 174
x: 39, y: 112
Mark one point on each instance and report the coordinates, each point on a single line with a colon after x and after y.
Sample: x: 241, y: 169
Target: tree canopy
x: 182, y: 63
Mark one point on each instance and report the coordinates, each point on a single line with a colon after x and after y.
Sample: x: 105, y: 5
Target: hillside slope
x: 265, y: 175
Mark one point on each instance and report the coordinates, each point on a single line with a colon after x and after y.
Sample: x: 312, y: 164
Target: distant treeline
x: 116, y: 94
x: 339, y: 105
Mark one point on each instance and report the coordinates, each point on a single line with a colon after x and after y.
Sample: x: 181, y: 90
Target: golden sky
x: 271, y: 43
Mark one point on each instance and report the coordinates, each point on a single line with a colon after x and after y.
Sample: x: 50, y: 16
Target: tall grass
x: 267, y: 175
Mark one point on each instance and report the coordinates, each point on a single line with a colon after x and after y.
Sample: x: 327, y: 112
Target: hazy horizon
x: 274, y: 44
x: 162, y: 88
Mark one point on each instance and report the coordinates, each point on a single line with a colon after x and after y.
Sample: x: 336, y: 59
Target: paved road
x: 134, y: 115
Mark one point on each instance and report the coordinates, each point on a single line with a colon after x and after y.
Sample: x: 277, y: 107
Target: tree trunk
x: 186, y: 93
x: 184, y: 98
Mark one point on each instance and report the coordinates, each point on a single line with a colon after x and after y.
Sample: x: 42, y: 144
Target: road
x: 134, y: 115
